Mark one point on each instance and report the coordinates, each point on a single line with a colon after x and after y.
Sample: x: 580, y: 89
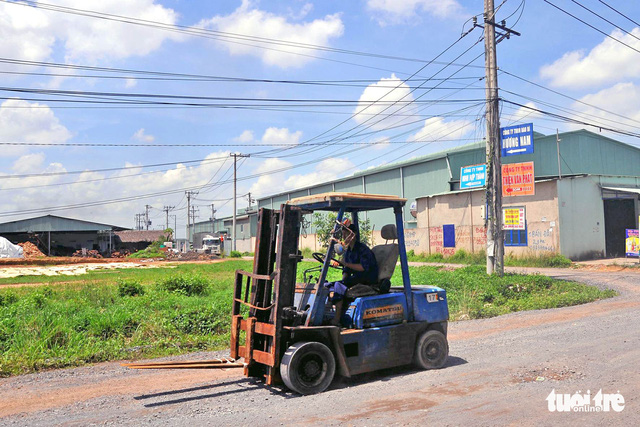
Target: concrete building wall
x: 465, y: 211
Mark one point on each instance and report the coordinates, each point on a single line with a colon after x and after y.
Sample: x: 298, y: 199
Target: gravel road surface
x: 500, y: 371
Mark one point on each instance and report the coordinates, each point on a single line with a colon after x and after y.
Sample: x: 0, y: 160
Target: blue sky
x: 365, y: 102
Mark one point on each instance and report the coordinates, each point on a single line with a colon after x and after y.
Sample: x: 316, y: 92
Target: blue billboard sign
x: 473, y: 176
x: 516, y: 139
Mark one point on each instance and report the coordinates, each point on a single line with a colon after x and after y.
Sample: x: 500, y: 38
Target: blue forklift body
x: 378, y: 331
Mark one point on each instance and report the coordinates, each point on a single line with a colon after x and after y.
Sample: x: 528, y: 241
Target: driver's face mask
x: 338, y: 248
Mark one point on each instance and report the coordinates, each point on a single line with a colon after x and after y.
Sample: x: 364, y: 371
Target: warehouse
x: 586, y: 196
x: 56, y: 235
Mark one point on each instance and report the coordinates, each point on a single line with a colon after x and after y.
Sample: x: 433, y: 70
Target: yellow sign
x: 513, y: 218
x: 386, y: 311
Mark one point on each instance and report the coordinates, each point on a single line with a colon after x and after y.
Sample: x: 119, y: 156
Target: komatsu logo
x: 386, y: 311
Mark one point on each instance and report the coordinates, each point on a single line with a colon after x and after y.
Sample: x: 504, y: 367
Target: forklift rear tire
x: 432, y: 350
x: 308, y: 367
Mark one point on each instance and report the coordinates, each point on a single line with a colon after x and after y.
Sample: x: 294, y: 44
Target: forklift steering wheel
x: 319, y: 256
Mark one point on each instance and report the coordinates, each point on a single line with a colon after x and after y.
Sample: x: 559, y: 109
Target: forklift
x: 282, y: 329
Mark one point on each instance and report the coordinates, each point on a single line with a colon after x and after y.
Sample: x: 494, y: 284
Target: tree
x: 324, y: 224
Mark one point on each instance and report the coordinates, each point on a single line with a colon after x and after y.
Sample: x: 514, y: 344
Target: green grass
x: 473, y: 295
x: 134, y: 313
x: 479, y: 258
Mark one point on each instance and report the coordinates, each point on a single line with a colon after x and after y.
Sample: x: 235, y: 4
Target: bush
x: 235, y: 254
x: 130, y: 288
x: 188, y: 285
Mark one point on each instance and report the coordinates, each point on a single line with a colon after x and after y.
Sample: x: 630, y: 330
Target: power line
x: 619, y: 13
x: 568, y: 97
x: 31, y: 175
x: 591, y: 26
x: 572, y: 120
x: 605, y: 19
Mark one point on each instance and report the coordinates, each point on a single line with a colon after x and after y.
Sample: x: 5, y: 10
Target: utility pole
x: 495, y: 235
x: 146, y: 215
x: 189, y: 194
x: 235, y: 170
x: 175, y: 227
x: 250, y: 200
x: 558, y: 148
x: 193, y: 215
x: 213, y: 217
x: 495, y: 243
x: 166, y: 210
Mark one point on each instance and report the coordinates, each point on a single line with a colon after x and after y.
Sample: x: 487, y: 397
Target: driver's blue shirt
x: 361, y: 254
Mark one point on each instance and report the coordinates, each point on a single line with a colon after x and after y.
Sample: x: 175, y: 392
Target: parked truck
x: 209, y: 243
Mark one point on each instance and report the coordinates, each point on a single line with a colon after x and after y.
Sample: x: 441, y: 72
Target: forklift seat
x: 386, y: 258
x: 387, y: 254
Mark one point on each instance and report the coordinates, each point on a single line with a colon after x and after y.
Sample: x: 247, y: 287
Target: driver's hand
x: 335, y: 263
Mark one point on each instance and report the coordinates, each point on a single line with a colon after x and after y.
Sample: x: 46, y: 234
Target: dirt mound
x: 31, y: 250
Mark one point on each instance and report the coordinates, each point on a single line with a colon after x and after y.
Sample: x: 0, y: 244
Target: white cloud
x: 283, y: 136
x: 381, y: 143
x: 23, y: 121
x: 327, y: 170
x: 31, y: 34
x: 378, y: 99
x: 129, y: 82
x: 141, y: 136
x: 272, y: 183
x: 103, y: 188
x: 250, y: 21
x: 608, y: 62
x: 622, y: 99
x: 245, y: 137
x: 437, y: 128
x: 28, y: 163
x: 403, y: 11
x: 523, y: 114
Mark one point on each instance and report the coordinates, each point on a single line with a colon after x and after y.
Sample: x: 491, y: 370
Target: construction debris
x: 84, y: 253
x: 31, y: 250
x: 121, y: 254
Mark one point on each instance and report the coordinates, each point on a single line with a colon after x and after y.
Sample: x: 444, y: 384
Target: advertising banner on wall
x: 516, y: 139
x: 473, y: 176
x: 513, y: 218
x: 518, y: 179
x: 632, y: 242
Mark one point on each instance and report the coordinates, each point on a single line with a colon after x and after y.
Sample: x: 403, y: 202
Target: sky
x: 109, y: 106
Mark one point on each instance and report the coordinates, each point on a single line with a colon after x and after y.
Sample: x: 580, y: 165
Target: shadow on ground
x: 226, y: 388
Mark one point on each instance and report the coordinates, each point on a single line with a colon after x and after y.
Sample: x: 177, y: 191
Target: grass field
x: 133, y: 313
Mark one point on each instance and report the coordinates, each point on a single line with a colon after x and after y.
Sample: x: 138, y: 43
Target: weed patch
x: 134, y: 313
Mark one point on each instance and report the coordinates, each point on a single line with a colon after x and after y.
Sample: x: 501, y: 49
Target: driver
x: 359, y: 267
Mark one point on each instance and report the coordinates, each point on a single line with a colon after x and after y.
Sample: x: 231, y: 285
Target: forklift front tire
x: 432, y: 350
x: 308, y: 367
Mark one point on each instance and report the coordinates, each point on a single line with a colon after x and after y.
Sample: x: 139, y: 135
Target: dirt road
x: 500, y: 371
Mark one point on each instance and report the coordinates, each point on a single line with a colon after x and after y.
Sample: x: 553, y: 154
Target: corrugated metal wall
x: 582, y: 152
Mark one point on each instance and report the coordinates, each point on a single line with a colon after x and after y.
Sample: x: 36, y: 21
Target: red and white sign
x: 518, y: 179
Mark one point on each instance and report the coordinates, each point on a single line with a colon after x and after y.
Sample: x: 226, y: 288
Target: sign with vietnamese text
x: 518, y: 179
x: 516, y: 139
x: 632, y: 242
x: 473, y: 176
x: 513, y: 218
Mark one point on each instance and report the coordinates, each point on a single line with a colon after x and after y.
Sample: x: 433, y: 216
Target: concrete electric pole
x: 146, y: 216
x: 189, y: 194
x: 495, y: 236
x: 166, y: 210
x: 235, y: 200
